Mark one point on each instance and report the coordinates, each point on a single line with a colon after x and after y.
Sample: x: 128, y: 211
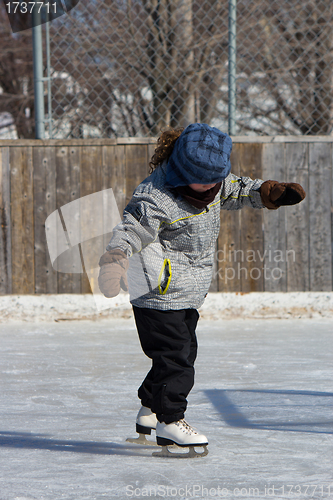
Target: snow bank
x: 65, y: 307
x: 268, y: 305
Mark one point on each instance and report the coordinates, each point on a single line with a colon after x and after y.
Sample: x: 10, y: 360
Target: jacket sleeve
x: 238, y: 192
x: 141, y: 223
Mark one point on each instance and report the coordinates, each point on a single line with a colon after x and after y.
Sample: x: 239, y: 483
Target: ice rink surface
x: 263, y: 396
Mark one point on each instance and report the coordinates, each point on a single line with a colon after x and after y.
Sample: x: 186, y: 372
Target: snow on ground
x: 263, y: 396
x: 216, y: 306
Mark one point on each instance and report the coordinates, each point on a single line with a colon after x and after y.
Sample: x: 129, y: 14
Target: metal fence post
x: 48, y: 77
x: 232, y: 68
x: 38, y: 74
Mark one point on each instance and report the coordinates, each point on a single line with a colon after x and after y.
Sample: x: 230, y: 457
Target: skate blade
x: 191, y: 453
x: 142, y: 440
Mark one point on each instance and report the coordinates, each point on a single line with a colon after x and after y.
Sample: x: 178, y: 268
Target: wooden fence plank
x: 228, y: 243
x: 113, y: 176
x: 44, y: 204
x: 90, y: 182
x: 320, y: 218
x: 297, y: 220
x: 307, y: 232
x: 5, y: 224
x: 251, y: 238
x: 22, y: 212
x: 68, y: 190
x: 151, y: 151
x: 136, y: 167
x: 113, y: 173
x: 274, y: 257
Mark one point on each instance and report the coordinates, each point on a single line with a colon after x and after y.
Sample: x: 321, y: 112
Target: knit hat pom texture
x: 201, y: 155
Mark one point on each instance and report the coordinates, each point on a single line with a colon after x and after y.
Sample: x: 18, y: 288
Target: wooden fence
x: 289, y: 249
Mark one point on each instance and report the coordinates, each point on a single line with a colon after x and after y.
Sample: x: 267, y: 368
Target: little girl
x: 166, y: 241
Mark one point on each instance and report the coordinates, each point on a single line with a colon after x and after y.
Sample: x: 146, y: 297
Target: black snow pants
x: 169, y: 339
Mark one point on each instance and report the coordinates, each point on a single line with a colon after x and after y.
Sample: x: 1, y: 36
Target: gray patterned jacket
x: 171, y: 244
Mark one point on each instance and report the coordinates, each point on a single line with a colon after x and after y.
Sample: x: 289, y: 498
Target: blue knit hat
x: 201, y: 155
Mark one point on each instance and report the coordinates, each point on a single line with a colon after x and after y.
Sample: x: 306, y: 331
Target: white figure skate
x: 181, y: 434
x: 145, y: 421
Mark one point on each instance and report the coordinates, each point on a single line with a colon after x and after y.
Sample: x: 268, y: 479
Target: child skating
x: 166, y: 243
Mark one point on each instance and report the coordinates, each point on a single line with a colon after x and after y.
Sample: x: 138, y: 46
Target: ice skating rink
x: 263, y: 396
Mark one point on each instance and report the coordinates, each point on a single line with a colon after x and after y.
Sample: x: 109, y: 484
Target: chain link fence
x: 131, y: 67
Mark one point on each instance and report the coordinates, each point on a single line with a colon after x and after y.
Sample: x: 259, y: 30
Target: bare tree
x: 16, y: 77
x: 286, y: 55
x: 132, y: 67
x: 174, y: 50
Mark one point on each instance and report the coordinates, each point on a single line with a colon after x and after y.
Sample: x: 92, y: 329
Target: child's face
x: 201, y: 187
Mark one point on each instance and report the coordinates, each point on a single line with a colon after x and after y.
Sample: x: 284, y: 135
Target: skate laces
x: 185, y: 427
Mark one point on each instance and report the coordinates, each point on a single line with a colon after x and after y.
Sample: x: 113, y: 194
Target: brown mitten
x: 275, y: 194
x: 112, y: 274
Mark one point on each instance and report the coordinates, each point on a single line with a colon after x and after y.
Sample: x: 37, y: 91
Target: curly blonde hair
x: 165, y: 145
